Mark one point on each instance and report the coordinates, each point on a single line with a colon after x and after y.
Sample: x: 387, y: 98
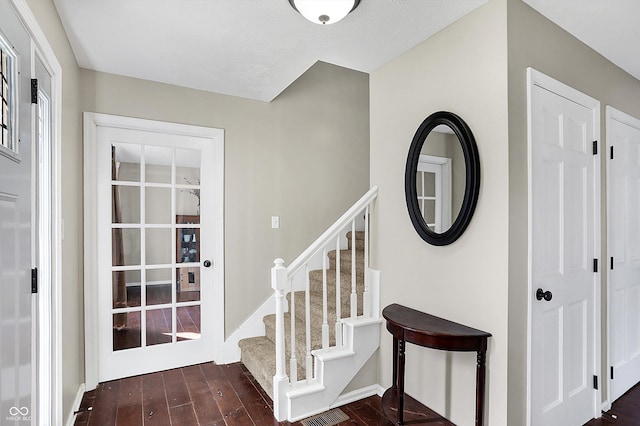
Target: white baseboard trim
x: 357, y: 395
x: 71, y: 418
x: 252, y: 327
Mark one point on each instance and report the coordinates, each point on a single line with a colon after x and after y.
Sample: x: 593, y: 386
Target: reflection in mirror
x: 440, y: 178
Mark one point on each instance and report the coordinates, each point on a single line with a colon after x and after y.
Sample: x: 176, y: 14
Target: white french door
x: 623, y: 207
x: 564, y: 250
x: 158, y: 247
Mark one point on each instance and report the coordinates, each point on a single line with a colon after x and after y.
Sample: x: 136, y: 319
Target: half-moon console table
x: 409, y: 325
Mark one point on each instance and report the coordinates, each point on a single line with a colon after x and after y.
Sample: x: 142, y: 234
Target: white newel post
x: 280, y: 380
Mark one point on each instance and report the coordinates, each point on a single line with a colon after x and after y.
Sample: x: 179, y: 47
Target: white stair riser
x: 336, y: 373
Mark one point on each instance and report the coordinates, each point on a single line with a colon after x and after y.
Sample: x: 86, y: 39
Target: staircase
x: 332, y: 341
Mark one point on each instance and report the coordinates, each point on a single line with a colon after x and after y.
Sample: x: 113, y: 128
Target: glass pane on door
x: 156, y: 246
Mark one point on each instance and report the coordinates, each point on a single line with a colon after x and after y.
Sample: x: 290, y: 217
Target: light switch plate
x: 275, y: 222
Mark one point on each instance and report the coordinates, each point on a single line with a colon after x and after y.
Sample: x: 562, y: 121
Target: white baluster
x: 354, y: 295
x: 325, y: 314
x: 293, y: 362
x: 366, y: 296
x: 307, y: 296
x: 338, y: 301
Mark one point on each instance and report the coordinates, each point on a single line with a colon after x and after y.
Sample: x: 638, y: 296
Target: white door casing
x: 623, y: 231
x: 564, y: 231
x: 102, y: 362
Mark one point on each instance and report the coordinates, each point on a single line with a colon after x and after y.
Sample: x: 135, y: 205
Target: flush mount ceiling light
x: 324, y: 11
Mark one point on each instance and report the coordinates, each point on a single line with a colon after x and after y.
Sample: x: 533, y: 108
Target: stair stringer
x: 334, y: 369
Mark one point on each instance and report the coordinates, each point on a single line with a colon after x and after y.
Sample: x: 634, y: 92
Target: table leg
x: 401, y: 345
x: 480, y: 382
x: 395, y: 363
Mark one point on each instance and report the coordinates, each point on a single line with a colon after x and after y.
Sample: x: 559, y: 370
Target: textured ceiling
x: 248, y: 48
x: 256, y: 48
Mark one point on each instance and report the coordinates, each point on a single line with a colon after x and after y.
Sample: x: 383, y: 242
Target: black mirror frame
x: 472, y: 181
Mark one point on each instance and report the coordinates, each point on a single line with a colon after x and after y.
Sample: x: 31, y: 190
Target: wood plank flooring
x: 216, y: 395
x: 204, y: 394
x: 625, y: 411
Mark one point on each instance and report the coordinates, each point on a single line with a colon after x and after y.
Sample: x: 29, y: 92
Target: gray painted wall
x: 462, y: 69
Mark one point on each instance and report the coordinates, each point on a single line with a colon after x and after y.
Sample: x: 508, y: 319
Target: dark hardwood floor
x: 625, y: 411
x: 204, y: 394
x: 216, y: 395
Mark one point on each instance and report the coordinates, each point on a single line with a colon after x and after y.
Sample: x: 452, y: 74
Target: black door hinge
x: 595, y: 382
x: 612, y: 263
x: 34, y: 280
x: 595, y: 147
x: 34, y: 90
x: 595, y: 265
x: 611, y: 152
x: 612, y: 372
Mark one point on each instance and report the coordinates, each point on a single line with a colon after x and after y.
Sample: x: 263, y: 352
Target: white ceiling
x: 256, y: 48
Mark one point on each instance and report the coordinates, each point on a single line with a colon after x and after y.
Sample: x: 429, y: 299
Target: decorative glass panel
x: 127, y: 162
x: 188, y: 284
x: 6, y: 103
x: 188, y: 179
x: 158, y: 205
x: 158, y: 247
x: 157, y: 161
x: 188, y: 326
x: 128, y: 204
x: 158, y: 326
x: 126, y: 331
x: 126, y: 289
x: 125, y: 249
x: 158, y: 286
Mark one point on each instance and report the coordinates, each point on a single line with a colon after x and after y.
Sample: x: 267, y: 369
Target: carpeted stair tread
x: 346, y: 261
x: 258, y: 354
x: 359, y: 240
x: 301, y: 349
x: 317, y: 311
x: 316, y: 277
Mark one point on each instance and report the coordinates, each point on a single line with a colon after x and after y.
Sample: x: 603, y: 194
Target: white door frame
x: 610, y: 115
x: 91, y: 123
x: 48, y: 303
x: 536, y: 78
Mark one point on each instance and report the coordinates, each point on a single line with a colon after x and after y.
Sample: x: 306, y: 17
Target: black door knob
x: 541, y: 294
x: 207, y: 263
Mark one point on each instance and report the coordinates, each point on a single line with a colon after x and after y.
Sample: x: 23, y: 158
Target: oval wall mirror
x: 442, y: 178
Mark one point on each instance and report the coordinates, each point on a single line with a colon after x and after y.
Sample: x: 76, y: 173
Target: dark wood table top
x: 428, y: 330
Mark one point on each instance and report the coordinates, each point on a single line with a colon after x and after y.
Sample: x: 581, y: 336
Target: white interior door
x: 564, y: 245
x: 623, y: 189
x: 433, y: 186
x: 159, y: 258
x: 16, y: 221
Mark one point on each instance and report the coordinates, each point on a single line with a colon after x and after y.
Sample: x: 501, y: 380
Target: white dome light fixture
x: 324, y: 11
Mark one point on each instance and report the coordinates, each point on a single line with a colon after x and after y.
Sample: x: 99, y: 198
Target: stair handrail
x: 332, y: 231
